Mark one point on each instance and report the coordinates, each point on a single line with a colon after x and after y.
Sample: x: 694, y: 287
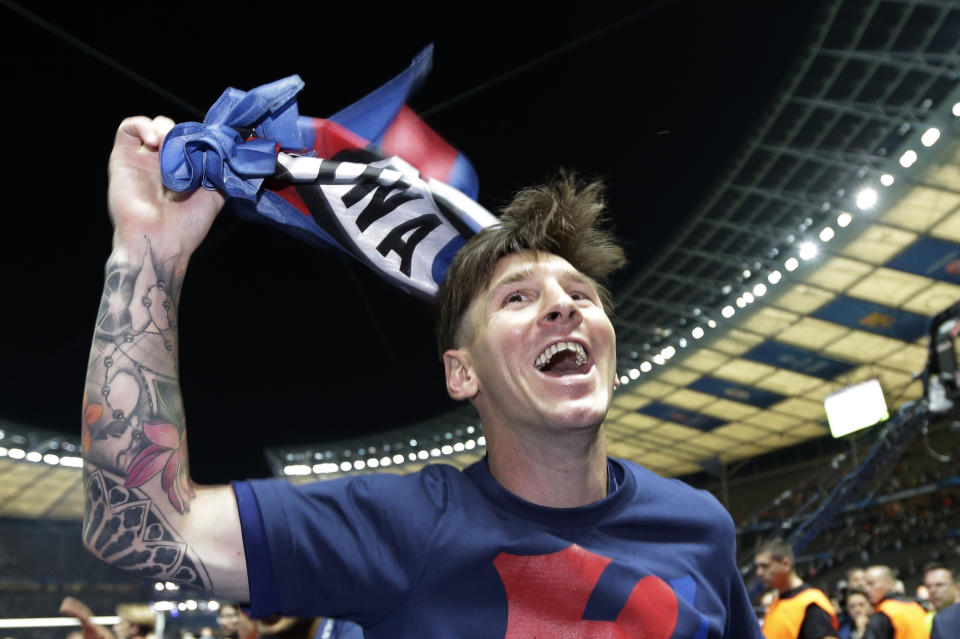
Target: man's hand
x: 141, y: 206
x: 75, y: 608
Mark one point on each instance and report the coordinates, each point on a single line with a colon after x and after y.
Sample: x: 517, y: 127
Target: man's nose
x: 559, y: 306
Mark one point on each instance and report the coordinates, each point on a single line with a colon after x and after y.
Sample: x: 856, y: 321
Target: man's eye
x: 512, y: 298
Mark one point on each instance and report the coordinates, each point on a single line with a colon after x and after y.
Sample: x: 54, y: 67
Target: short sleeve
x: 879, y: 627
x: 349, y: 548
x: 817, y: 623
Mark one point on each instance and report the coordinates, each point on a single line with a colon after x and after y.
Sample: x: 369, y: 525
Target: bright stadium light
x: 808, y: 251
x: 826, y: 234
x: 844, y: 220
x: 633, y: 373
x: 748, y: 297
x: 908, y: 158
x: 658, y: 359
x: 866, y: 199
x: 930, y: 136
x: 712, y: 323
x: 668, y: 352
x: 956, y: 109
x: 791, y: 264
x: 886, y: 179
x: 646, y: 367
x: 697, y: 332
x: 774, y: 277
x: 728, y: 311
x: 624, y: 380
x: 741, y: 302
x: 760, y: 289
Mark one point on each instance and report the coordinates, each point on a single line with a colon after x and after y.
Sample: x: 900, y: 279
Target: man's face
x: 877, y: 583
x: 774, y: 572
x: 543, y: 351
x: 229, y: 620
x: 940, y: 585
x: 855, y: 580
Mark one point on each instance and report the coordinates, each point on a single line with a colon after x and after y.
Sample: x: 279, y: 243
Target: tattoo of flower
x: 166, y: 454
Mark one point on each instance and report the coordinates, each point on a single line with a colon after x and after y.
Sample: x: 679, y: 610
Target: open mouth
x: 563, y: 358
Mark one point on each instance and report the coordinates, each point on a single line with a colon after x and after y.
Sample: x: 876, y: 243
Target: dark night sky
x: 281, y: 343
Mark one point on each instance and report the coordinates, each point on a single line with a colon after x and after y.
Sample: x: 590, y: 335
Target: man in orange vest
x: 896, y: 617
x: 800, y: 611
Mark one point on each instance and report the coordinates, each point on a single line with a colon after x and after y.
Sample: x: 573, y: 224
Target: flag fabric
x: 373, y: 180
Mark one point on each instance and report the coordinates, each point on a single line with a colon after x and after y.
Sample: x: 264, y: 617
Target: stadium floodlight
x: 908, y: 158
x: 774, y: 277
x: 826, y: 234
x: 746, y: 273
x: 748, y: 297
x: 668, y: 352
x: 866, y: 199
x: 682, y: 342
x: 930, y: 136
x: 855, y: 407
x: 646, y: 367
x: 844, y: 219
x: 697, y: 332
x: 728, y: 311
x: 633, y: 373
x: 808, y: 251
x: 760, y: 289
x: 712, y: 323
x: 345, y: 466
x: 956, y: 109
x: 741, y: 302
x: 658, y: 360
x: 886, y: 179
x: 297, y: 469
x: 791, y: 264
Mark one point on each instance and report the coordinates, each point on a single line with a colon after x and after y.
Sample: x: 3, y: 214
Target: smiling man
x: 545, y: 537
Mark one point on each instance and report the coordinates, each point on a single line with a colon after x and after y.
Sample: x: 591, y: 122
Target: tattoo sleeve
x: 136, y: 481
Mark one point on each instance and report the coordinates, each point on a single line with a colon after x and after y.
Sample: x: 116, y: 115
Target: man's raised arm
x: 143, y: 514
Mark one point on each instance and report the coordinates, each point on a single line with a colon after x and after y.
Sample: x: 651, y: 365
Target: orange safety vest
x: 785, y: 616
x: 908, y: 618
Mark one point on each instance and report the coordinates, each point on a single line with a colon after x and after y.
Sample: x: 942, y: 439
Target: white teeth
x: 553, y: 349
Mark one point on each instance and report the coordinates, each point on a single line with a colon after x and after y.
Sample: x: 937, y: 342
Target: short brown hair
x: 778, y: 549
x: 560, y: 217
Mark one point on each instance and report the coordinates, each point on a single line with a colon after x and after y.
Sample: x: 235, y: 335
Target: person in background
x: 234, y: 624
x: 859, y: 609
x: 895, y: 616
x: 800, y: 610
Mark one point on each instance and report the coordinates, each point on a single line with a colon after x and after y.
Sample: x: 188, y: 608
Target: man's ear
x: 461, y: 378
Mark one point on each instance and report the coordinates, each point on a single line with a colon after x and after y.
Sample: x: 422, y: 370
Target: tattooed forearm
x: 133, y: 429
x: 124, y: 528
